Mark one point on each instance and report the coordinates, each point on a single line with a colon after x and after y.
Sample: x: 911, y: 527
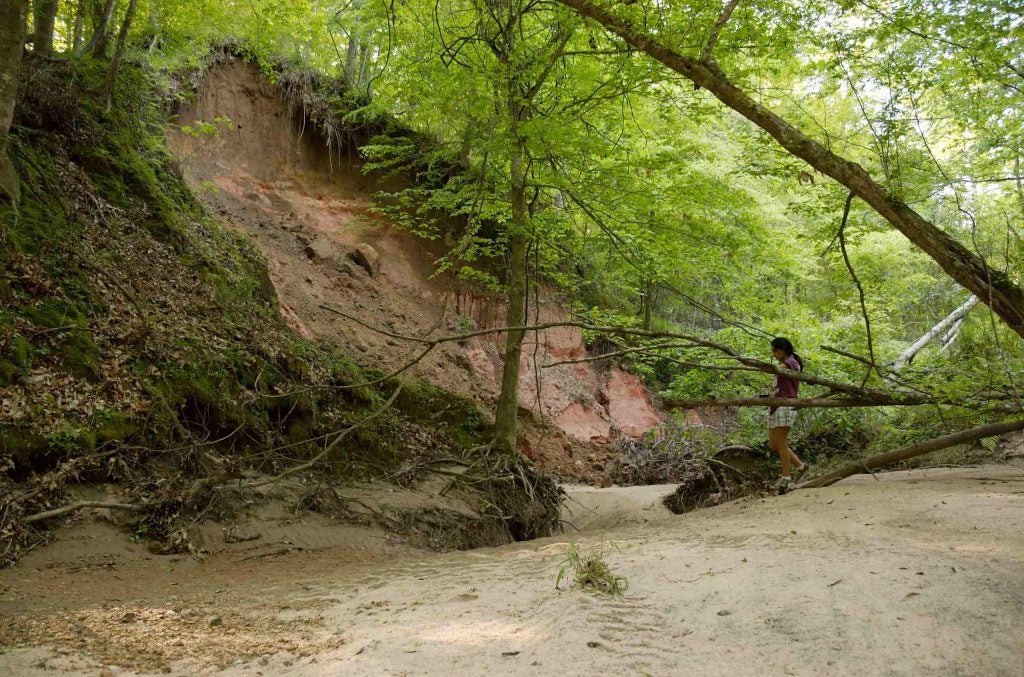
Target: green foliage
x: 589, y: 570
x: 641, y: 196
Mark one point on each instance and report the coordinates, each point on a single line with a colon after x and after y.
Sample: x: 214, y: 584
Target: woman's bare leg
x: 794, y: 460
x: 778, y: 440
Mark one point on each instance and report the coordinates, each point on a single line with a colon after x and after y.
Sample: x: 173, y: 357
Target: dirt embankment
x: 309, y: 210
x: 911, y: 573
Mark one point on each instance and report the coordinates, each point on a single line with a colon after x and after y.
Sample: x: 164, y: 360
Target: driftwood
x: 58, y: 512
x: 919, y: 449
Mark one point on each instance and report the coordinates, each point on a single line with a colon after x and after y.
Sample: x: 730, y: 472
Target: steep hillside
x: 269, y: 173
x: 142, y: 353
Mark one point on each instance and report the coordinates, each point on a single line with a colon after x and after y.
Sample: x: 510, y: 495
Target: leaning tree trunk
x: 12, y: 40
x: 903, y: 453
x: 115, y: 63
x: 45, y: 15
x: 994, y: 289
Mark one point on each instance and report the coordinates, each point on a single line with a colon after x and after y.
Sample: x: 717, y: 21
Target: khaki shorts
x: 782, y: 417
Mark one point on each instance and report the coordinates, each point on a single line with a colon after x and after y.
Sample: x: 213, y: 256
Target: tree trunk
x: 352, y: 62
x: 98, y: 43
x: 153, y: 26
x: 115, y: 63
x: 907, y: 355
x: 45, y: 15
x: 364, y: 66
x: 308, y: 45
x: 993, y: 288
x: 919, y: 449
x: 76, y: 38
x: 648, y: 302
x: 12, y: 41
x: 505, y: 415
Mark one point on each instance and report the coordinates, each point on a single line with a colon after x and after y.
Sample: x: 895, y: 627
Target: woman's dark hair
x: 786, y: 346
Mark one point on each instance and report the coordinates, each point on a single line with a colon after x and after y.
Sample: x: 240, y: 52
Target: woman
x: 780, y: 419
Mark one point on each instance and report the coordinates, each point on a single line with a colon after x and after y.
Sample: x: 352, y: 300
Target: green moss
x: 80, y: 356
x: 41, y: 220
x: 427, y: 404
x: 19, y: 351
x: 54, y: 313
x: 114, y: 426
x: 21, y: 443
x: 9, y: 372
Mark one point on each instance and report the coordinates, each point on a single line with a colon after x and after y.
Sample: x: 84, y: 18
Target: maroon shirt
x: 784, y: 385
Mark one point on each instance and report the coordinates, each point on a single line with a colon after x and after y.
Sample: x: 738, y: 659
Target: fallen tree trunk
x: 907, y: 355
x: 919, y: 449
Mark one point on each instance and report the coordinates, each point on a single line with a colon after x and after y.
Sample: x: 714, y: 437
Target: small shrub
x: 590, y: 571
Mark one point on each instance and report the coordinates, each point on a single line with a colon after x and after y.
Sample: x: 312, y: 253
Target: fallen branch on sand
x: 919, y: 449
x: 58, y: 512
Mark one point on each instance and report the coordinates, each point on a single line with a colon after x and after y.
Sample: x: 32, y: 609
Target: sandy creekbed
x: 914, y: 573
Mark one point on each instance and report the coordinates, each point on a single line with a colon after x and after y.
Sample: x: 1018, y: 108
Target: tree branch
x: 723, y: 18
x: 860, y: 291
x: 794, y: 402
x: 58, y: 512
x: 757, y: 365
x: 620, y: 353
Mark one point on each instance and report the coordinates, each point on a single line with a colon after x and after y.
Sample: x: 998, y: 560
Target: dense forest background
x: 695, y: 178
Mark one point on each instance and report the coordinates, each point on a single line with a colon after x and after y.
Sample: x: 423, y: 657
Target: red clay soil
x: 309, y: 210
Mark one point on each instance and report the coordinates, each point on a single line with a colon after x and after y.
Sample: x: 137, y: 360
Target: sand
x: 916, y: 572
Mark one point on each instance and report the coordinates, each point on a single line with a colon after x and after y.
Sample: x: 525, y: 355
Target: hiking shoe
x: 798, y: 473
x: 783, y: 485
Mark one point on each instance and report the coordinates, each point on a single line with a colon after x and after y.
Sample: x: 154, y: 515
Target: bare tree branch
x: 756, y: 365
x: 58, y: 512
x: 794, y: 402
x: 620, y: 353
x: 723, y: 18
x: 860, y: 290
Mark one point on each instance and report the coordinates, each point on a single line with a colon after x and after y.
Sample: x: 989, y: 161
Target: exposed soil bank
x: 916, y: 573
x: 310, y: 212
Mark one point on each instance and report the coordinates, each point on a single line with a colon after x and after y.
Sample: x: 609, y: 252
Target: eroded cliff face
x: 309, y: 210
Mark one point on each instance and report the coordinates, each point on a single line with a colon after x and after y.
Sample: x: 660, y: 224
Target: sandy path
x: 918, y: 573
